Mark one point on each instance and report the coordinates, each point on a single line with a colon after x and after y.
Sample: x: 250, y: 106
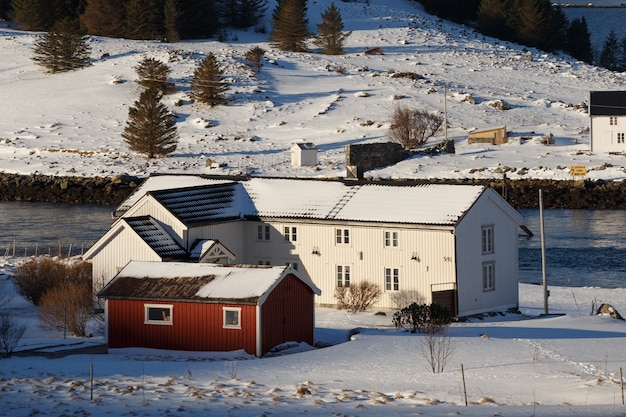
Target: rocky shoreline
x: 566, y: 194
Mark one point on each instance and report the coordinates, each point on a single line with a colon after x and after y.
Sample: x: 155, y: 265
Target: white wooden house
x: 607, y: 110
x: 454, y: 244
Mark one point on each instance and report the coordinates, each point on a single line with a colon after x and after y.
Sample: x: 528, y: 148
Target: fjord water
x: 583, y: 247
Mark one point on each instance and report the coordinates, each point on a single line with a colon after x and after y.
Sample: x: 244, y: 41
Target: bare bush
x: 36, y: 277
x: 358, y: 297
x: 405, y: 298
x: 413, y: 127
x: 67, y: 308
x: 437, y: 349
x: 11, y: 333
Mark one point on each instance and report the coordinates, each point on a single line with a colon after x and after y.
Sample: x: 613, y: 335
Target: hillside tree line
x: 137, y: 19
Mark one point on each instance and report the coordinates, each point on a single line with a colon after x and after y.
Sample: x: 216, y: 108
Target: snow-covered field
x: 514, y: 365
x: 71, y: 123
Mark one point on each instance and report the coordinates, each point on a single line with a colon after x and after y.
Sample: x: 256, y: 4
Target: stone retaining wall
x: 580, y: 194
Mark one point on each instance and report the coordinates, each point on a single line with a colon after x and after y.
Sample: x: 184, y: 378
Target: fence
x: 59, y: 248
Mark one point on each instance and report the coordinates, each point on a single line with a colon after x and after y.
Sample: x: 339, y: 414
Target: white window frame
x: 489, y: 276
x: 342, y: 236
x: 263, y: 232
x: 612, y: 120
x: 620, y: 137
x: 486, y: 239
x: 343, y: 275
x: 167, y: 320
x: 290, y: 233
x: 225, y: 323
x: 391, y: 239
x: 392, y: 279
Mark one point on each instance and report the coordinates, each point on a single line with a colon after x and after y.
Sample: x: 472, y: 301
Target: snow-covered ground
x: 564, y: 364
x: 71, y: 123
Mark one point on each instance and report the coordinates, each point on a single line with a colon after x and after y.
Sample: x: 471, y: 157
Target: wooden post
x: 621, y: 381
x: 91, y: 380
x: 464, y: 387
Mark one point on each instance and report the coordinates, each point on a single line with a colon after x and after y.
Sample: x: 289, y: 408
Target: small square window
x: 391, y: 239
x: 158, y: 314
x: 232, y: 318
x: 291, y: 234
x: 613, y: 120
x: 342, y: 236
x: 263, y: 232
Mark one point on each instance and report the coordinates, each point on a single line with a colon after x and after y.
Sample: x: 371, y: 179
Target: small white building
x: 607, y: 110
x: 452, y: 244
x: 303, y: 154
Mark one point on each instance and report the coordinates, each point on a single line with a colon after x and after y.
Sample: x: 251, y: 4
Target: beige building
x: 454, y: 244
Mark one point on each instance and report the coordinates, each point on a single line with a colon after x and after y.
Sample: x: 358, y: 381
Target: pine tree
x: 207, y: 85
x: 62, y: 49
x: 150, y: 129
x: 153, y: 74
x: 30, y: 14
x: 609, y: 56
x: 242, y: 13
x: 330, y: 37
x: 493, y: 17
x: 104, y: 18
x: 144, y: 19
x: 531, y: 21
x: 198, y: 19
x: 172, y: 16
x: 289, y: 26
x: 254, y: 58
x: 578, y: 43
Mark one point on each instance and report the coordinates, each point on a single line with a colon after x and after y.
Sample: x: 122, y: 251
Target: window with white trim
x: 620, y: 137
x: 487, y: 239
x: 232, y: 317
x: 342, y: 236
x: 489, y: 276
x: 263, y: 262
x: 343, y: 275
x: 158, y: 314
x: 263, y: 232
x: 291, y: 233
x: 392, y: 279
x: 613, y: 120
x: 391, y: 239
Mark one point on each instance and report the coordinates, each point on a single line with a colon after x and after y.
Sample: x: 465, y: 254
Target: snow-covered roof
x: 430, y: 204
x: 188, y: 281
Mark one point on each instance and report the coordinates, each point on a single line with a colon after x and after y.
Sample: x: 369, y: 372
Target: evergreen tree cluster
x: 613, y: 54
x: 137, y: 19
x: 536, y: 23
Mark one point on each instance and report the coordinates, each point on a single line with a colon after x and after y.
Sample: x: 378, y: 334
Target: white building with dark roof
x: 607, y: 110
x: 453, y: 244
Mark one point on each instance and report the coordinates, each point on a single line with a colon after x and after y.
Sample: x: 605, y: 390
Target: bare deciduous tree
x: 413, y: 127
x: 437, y: 348
x: 11, y: 333
x: 69, y: 307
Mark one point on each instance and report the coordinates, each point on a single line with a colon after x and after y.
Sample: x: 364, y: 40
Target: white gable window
x: 489, y: 276
x: 613, y: 120
x: 263, y: 232
x: 158, y: 314
x: 487, y: 239
x: 291, y: 233
x: 392, y: 279
x: 391, y: 239
x: 342, y: 236
x: 232, y: 317
x: 343, y: 275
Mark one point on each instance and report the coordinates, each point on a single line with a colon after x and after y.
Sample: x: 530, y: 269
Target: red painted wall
x: 196, y: 326
x: 288, y: 314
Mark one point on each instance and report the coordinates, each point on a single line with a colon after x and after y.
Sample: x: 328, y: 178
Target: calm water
x: 47, y: 226
x: 583, y: 247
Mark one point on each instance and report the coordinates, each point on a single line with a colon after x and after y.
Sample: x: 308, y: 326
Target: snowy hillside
x: 71, y: 123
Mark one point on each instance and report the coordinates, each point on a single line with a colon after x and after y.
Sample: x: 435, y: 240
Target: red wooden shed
x: 208, y: 307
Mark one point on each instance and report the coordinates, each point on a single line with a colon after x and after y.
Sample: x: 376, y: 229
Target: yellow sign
x: 578, y: 170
